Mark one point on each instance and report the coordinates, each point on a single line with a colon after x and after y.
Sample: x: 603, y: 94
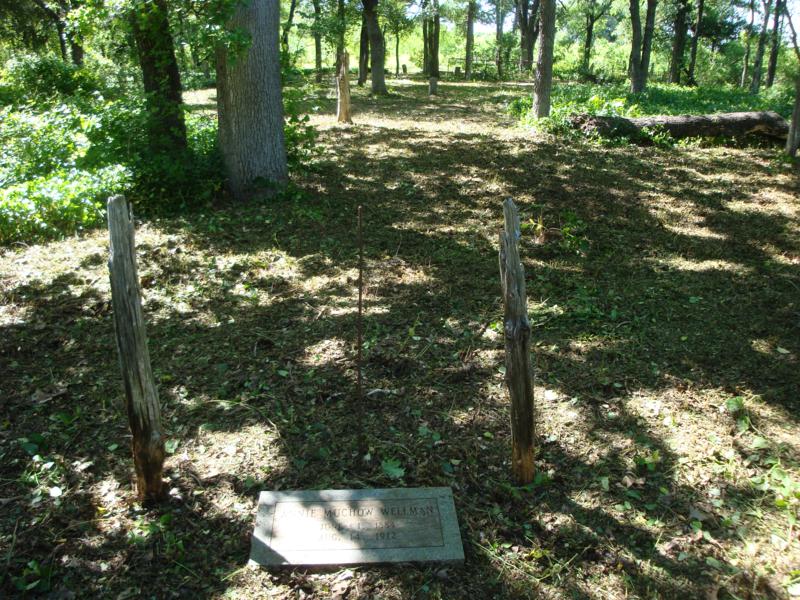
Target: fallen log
x: 728, y: 125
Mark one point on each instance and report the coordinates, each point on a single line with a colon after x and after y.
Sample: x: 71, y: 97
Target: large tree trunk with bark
x: 641, y: 44
x: 758, y: 61
x: 249, y: 103
x: 695, y: 40
x: 543, y: 82
x: 472, y: 9
x: 772, y: 66
x: 341, y: 25
x: 162, y: 81
x: 363, y: 52
x: 397, y: 54
x: 729, y: 125
x: 678, y: 42
x: 376, y: 49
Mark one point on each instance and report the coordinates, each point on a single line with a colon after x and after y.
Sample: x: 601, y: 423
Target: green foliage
x: 45, y: 78
x: 658, y: 99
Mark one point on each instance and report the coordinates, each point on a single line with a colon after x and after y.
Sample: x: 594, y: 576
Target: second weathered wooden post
x: 519, y: 376
x: 141, y: 396
x: 343, y: 88
x: 433, y: 86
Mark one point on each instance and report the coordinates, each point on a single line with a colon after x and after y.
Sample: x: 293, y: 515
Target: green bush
x: 44, y: 78
x: 63, y: 203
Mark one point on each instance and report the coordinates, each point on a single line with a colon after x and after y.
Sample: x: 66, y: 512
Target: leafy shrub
x: 43, y: 78
x: 63, y: 203
x: 35, y: 144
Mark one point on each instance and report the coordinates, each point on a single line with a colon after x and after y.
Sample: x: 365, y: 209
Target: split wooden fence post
x: 343, y: 114
x: 519, y: 376
x: 141, y: 396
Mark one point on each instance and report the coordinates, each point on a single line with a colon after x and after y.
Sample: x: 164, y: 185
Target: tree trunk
x: 397, y: 54
x: 341, y: 24
x: 162, y: 81
x: 426, y: 59
x: 249, y: 102
x: 635, y: 60
x: 287, y: 27
x: 641, y: 44
x: 776, y: 44
x: 543, y: 82
x: 76, y: 52
x: 363, y: 52
x: 499, y: 17
x: 748, y: 39
x: 343, y: 114
x: 695, y: 39
x: 376, y: 50
x: 434, y: 53
x: 141, y: 395
x: 519, y: 376
x: 733, y: 125
x: 587, y: 43
x: 472, y: 8
x: 317, y: 43
x: 793, y: 137
x: 528, y: 16
x: 758, y: 61
x: 678, y: 42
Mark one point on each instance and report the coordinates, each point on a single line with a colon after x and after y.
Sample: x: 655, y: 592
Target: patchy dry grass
x: 663, y: 293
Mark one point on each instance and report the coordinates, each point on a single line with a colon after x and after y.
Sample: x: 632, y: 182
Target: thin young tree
x: 696, y: 33
x: 748, y: 37
x: 758, y: 61
x: 641, y: 44
x: 775, y: 43
x: 363, y: 52
x: 543, y: 82
x: 249, y: 101
x: 593, y: 12
x: 469, y: 51
x: 316, y: 29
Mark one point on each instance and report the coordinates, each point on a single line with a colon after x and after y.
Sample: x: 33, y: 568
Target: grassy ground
x: 663, y: 287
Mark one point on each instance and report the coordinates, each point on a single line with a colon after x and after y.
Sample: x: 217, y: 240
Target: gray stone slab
x: 343, y: 527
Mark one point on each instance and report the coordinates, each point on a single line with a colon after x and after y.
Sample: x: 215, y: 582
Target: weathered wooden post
x: 141, y: 396
x: 433, y: 86
x: 343, y: 87
x: 405, y: 70
x: 519, y: 377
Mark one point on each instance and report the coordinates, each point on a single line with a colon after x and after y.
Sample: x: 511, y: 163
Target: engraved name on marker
x: 356, y: 526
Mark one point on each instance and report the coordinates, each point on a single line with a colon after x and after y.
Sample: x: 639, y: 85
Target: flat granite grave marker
x: 339, y: 527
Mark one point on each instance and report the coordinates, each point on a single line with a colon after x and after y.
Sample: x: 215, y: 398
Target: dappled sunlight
x: 680, y: 263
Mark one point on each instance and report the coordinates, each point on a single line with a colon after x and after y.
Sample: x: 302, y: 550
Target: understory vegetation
x: 571, y: 98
